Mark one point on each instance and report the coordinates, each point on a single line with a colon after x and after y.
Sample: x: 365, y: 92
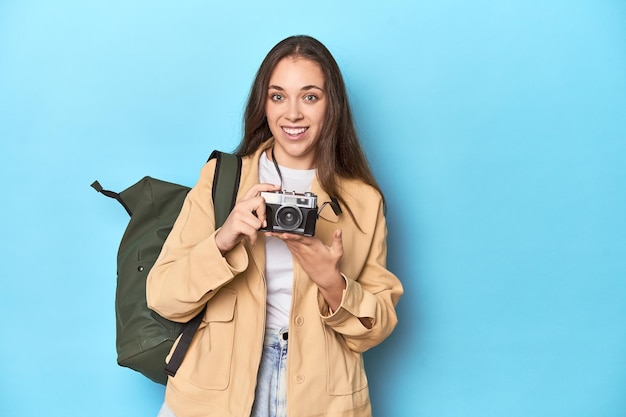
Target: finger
x: 337, y: 243
x: 251, y: 221
x: 293, y: 239
x: 250, y: 210
x: 256, y: 189
x: 250, y: 230
x: 289, y: 236
x: 235, y: 229
x: 260, y: 210
x: 252, y: 237
x: 244, y: 211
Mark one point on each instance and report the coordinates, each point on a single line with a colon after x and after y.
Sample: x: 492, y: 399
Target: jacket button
x: 299, y: 320
x: 300, y: 378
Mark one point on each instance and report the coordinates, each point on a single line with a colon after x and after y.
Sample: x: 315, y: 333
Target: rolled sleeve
x: 366, y: 315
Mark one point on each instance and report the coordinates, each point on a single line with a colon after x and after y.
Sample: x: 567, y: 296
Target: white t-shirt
x: 278, y: 261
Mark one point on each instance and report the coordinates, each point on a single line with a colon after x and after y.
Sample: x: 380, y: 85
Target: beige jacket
x: 325, y: 374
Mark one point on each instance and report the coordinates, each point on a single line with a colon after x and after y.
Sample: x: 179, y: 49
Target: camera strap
x: 334, y: 203
x: 277, y: 168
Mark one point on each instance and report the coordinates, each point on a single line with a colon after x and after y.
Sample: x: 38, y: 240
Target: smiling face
x: 295, y: 109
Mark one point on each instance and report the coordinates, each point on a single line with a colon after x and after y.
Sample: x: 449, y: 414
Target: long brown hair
x: 338, y: 151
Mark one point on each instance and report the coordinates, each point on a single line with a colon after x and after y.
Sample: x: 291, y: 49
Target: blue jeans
x: 270, y: 397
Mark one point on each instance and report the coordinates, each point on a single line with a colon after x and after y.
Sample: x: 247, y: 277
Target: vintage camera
x: 290, y: 212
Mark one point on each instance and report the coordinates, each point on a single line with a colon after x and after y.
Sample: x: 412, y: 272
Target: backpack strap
x: 225, y: 186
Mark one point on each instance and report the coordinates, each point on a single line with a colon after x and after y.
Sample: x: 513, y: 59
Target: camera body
x: 290, y: 212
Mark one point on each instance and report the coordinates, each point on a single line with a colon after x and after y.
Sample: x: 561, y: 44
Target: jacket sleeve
x: 370, y: 297
x: 190, y: 268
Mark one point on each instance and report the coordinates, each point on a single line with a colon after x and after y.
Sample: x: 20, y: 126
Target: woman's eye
x: 276, y: 97
x: 310, y: 98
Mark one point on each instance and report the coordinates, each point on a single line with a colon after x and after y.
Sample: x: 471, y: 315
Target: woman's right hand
x: 245, y: 219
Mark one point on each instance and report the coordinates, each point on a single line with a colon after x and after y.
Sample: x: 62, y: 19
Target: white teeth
x: 294, y: 131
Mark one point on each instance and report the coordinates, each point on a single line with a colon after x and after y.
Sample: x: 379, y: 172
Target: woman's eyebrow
x: 305, y: 88
x: 311, y: 87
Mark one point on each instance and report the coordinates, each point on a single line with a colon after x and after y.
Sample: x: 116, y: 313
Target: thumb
x: 337, y: 242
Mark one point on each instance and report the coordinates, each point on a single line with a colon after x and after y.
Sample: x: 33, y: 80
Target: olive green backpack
x: 143, y: 338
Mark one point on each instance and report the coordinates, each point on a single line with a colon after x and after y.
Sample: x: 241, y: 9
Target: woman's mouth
x: 294, y: 132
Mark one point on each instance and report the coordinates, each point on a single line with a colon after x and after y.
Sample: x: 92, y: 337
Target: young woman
x: 288, y: 316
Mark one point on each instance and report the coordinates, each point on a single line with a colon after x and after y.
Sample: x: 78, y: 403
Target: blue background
x: 496, y: 128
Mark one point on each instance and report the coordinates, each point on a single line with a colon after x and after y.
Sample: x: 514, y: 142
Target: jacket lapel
x: 250, y: 177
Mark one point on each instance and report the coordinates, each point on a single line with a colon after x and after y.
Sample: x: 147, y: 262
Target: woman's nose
x: 293, y: 112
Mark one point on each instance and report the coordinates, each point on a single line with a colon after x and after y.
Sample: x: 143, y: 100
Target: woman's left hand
x: 320, y: 262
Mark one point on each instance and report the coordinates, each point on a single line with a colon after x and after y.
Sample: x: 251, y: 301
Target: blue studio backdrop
x: 497, y: 130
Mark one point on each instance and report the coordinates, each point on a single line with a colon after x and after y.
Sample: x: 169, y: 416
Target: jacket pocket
x: 345, y: 369
x: 208, y: 361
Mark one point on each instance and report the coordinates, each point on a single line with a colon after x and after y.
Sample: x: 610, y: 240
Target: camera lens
x: 288, y: 217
